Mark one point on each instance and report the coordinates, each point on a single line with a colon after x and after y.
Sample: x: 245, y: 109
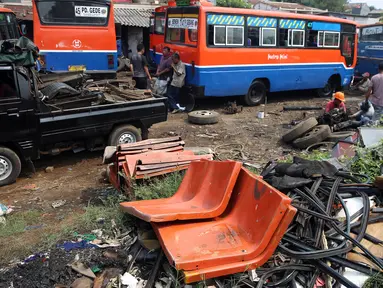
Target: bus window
x: 219, y: 35
x: 297, y: 38
x: 159, y: 24
x: 269, y: 37
x: 320, y: 39
x: 331, y: 39
x: 178, y: 28
x: 253, y: 36
x: 225, y: 30
x: 193, y: 35
x: 234, y: 35
x: 347, y: 41
x: 372, y: 33
x: 73, y: 13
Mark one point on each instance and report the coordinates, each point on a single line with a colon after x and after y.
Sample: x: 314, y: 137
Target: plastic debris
x: 58, y: 203
x: 68, y: 246
x: 87, y: 237
x: 82, y: 269
x: 49, y: 169
x: 129, y: 280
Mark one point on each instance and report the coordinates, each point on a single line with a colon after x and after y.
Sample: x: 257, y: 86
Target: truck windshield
x: 8, y: 27
x: 80, y: 13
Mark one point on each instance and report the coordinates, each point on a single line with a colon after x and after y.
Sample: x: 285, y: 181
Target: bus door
x: 158, y: 38
x: 182, y: 33
x: 348, y: 44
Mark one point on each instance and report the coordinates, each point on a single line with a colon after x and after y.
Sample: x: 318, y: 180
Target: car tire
x: 124, y: 134
x: 300, y: 129
x: 256, y: 94
x: 10, y: 166
x: 203, y: 117
x: 318, y: 134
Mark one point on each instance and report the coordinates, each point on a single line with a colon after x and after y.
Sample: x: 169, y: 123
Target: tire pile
x: 308, y: 133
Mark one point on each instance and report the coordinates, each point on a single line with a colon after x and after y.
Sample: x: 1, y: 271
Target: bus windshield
x: 374, y: 33
x: 79, y: 13
x: 8, y: 26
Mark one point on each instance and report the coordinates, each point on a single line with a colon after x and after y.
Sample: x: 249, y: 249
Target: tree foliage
x: 333, y: 5
x: 233, y: 3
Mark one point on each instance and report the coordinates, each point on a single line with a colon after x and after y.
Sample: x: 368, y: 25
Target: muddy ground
x: 76, y: 177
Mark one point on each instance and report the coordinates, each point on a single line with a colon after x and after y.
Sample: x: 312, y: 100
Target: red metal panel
x: 204, y: 193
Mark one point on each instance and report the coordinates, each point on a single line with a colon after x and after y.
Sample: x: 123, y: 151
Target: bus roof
x: 5, y: 10
x: 276, y: 14
x: 371, y: 25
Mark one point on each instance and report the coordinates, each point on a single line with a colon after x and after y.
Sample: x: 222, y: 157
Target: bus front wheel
x: 256, y: 94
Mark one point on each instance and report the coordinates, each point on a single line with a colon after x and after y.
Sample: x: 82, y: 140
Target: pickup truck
x: 30, y: 128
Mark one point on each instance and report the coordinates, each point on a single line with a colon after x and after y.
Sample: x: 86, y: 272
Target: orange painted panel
x: 244, y: 266
x: 204, y: 193
x: 241, y: 233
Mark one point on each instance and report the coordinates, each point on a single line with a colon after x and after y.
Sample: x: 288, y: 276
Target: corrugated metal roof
x: 133, y: 17
x: 23, y: 12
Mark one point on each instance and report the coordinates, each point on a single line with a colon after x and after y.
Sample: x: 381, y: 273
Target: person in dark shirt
x: 139, y: 66
x: 164, y: 69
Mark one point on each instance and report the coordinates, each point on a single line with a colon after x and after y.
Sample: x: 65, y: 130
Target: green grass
x: 158, y: 187
x: 369, y: 161
x: 16, y: 223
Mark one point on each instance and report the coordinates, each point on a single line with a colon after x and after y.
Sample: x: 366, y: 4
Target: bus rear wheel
x: 256, y: 94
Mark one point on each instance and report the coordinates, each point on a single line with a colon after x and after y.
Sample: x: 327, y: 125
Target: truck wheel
x: 318, y: 134
x: 123, y: 135
x: 300, y: 129
x: 256, y: 94
x: 10, y: 166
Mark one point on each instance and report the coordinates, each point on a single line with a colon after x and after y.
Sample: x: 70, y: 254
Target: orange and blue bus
x: 245, y: 52
x: 75, y: 35
x: 370, y: 48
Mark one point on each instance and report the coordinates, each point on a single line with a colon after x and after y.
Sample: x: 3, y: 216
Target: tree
x: 233, y: 3
x: 333, y: 5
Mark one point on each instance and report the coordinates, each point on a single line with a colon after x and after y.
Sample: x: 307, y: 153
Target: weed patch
x: 16, y: 223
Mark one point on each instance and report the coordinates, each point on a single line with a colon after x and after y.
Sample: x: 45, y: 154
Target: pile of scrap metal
x: 226, y: 227
x: 148, y: 158
x: 222, y: 220
x: 74, y: 91
x: 322, y: 245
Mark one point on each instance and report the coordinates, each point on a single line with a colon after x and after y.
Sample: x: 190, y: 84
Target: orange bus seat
x: 241, y: 233
x: 244, y: 266
x: 204, y: 193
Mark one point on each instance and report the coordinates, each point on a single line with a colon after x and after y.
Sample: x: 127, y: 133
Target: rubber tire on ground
x: 336, y: 136
x: 256, y: 84
x: 118, y: 131
x: 16, y: 165
x: 300, y: 129
x: 203, y: 117
x: 318, y: 134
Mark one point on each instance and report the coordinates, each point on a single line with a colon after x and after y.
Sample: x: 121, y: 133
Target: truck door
x: 18, y: 120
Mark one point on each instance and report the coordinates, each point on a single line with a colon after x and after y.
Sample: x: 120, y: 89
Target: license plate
x: 77, y: 68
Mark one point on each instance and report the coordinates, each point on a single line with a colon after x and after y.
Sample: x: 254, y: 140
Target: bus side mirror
x: 24, y: 29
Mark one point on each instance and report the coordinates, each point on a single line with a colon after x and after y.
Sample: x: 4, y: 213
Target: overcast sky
x: 377, y: 3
